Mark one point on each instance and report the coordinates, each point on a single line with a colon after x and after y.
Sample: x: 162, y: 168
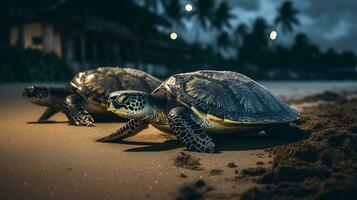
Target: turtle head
x: 129, y: 104
x: 39, y: 95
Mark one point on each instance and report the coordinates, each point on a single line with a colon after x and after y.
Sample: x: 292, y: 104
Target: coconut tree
x: 203, y: 12
x: 255, y: 43
x: 174, y: 11
x: 221, y: 22
x: 287, y: 17
x: 259, y: 34
x: 152, y: 5
x: 240, y: 31
x: 224, y: 40
x: 221, y: 17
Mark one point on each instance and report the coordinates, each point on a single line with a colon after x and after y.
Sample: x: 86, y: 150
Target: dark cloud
x: 249, y: 5
x: 333, y: 23
x: 318, y: 8
x: 328, y: 23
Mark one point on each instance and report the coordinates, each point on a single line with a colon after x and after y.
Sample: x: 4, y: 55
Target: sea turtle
x: 87, y: 93
x: 190, y: 105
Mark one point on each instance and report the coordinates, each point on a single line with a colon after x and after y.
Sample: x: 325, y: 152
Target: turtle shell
x: 228, y: 97
x: 96, y: 85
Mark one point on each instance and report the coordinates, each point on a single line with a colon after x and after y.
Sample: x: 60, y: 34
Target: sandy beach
x: 58, y: 161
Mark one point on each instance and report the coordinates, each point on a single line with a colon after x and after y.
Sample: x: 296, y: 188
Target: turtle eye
x: 122, y: 99
x: 112, y: 98
x: 116, y: 105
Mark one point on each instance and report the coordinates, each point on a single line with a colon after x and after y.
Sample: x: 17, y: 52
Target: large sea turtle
x: 87, y: 93
x: 190, y: 105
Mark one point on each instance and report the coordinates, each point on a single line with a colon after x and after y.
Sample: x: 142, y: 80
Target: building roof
x: 111, y: 14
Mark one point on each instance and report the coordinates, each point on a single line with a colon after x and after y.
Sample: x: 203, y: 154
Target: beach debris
x: 183, y: 175
x: 194, y: 191
x: 232, y: 165
x: 216, y: 172
x: 257, y: 171
x: 260, y: 162
x: 187, y: 161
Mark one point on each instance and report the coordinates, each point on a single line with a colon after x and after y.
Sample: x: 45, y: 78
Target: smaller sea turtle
x: 88, y: 92
x: 190, y: 105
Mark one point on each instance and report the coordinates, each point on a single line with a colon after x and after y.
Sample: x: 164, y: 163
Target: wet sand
x: 58, y: 161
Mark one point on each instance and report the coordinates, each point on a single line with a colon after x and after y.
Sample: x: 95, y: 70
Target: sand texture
x: 59, y: 161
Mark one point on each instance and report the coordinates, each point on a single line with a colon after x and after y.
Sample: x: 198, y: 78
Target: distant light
x: 173, y: 36
x: 188, y: 7
x: 273, y: 35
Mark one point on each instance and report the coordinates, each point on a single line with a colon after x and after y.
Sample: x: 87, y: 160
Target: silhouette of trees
x: 152, y: 5
x: 305, y: 53
x: 221, y: 17
x: 224, y: 40
x: 240, y: 31
x: 173, y: 9
x: 255, y: 43
x: 287, y: 17
x: 221, y: 22
x: 256, y: 55
x: 203, y: 12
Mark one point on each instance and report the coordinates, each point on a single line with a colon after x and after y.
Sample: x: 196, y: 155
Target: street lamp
x: 173, y: 36
x: 273, y: 35
x: 188, y: 7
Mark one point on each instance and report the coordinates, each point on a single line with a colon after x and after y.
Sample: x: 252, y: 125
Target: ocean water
x: 287, y: 88
x: 303, y: 88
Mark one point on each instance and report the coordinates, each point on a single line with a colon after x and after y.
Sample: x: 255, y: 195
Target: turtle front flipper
x: 131, y: 128
x: 75, y: 111
x: 188, y: 131
x: 49, y: 112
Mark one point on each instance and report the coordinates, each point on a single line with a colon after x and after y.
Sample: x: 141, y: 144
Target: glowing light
x: 188, y: 7
x: 273, y: 35
x: 173, y: 36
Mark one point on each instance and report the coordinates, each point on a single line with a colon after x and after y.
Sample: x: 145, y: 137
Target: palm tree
x: 224, y: 40
x: 240, y: 31
x: 222, y: 16
x: 203, y: 11
x: 174, y: 11
x: 259, y: 32
x: 287, y: 17
x: 255, y: 44
x: 152, y: 5
x: 221, y: 22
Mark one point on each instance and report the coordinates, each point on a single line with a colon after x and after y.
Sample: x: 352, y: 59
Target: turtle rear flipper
x: 188, y: 132
x: 75, y: 111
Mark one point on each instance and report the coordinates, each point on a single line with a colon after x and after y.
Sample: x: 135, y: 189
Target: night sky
x: 328, y: 23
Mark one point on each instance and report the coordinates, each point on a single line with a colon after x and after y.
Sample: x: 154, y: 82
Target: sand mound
x: 324, y: 166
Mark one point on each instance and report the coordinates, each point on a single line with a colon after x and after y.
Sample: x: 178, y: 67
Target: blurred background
x: 51, y: 40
